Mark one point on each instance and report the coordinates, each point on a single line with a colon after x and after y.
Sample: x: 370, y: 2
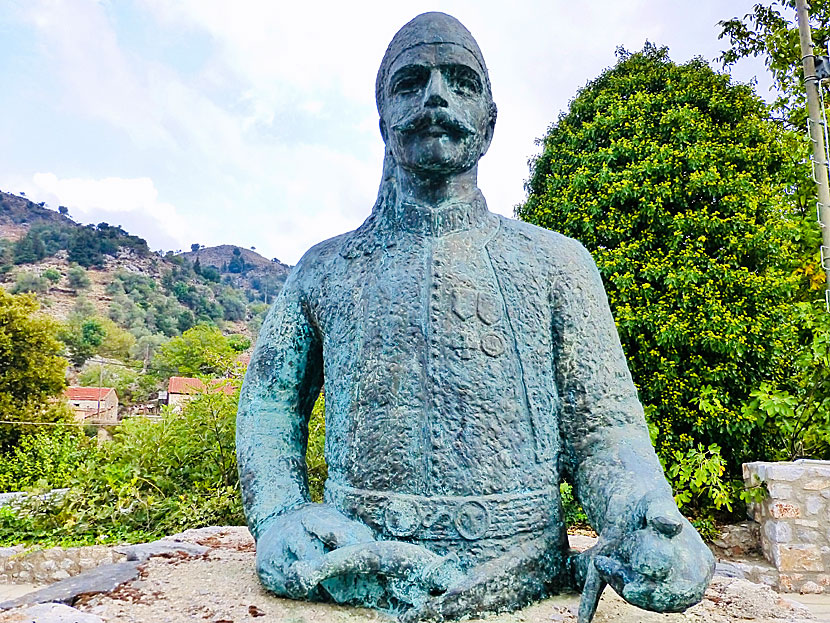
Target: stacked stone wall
x: 794, y: 521
x: 44, y: 566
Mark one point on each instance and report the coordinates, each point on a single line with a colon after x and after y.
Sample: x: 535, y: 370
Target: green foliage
x: 125, y: 380
x: 794, y: 413
x: 27, y: 281
x: 315, y: 457
x: 573, y: 514
x: 771, y: 32
x: 200, y: 351
x: 152, y: 479
x: 77, y: 278
x: 29, y: 248
x: 83, y: 337
x: 675, y: 180
x: 46, y: 459
x: 31, y: 368
x: 53, y: 275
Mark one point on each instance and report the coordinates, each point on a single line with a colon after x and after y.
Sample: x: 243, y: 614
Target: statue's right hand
x: 306, y: 534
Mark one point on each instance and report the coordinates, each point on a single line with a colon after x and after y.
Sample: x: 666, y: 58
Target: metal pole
x: 816, y: 131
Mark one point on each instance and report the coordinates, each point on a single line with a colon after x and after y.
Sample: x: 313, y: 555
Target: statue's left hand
x: 663, y: 564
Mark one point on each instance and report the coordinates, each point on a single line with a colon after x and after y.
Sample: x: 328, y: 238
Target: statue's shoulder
x: 320, y: 259
x: 554, y: 250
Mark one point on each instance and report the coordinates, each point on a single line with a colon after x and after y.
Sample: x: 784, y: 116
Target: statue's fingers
x: 305, y: 548
x: 614, y: 572
x: 337, y: 531
x: 430, y: 610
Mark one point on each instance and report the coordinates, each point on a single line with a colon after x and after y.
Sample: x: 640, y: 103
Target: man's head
x: 433, y: 94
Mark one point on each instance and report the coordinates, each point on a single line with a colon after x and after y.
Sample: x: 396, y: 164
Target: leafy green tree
x: 29, y: 249
x: 45, y: 459
x: 202, y: 350
x: 675, y: 180
x: 31, y: 368
x: 83, y: 337
x: 52, y: 275
x: 770, y: 31
x: 152, y: 479
x: 117, y: 343
x: 123, y: 378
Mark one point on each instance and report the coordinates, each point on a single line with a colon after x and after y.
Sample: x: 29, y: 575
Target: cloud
x: 132, y: 203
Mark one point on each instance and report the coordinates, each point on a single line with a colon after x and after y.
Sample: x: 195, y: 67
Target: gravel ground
x: 221, y: 587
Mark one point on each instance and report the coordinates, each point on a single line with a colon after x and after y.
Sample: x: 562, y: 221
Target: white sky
x: 254, y: 123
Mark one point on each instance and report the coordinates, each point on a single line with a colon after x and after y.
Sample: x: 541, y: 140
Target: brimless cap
x: 427, y: 29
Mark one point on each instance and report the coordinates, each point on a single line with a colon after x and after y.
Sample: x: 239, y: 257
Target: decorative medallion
x: 492, y: 344
x: 401, y: 518
x: 472, y: 520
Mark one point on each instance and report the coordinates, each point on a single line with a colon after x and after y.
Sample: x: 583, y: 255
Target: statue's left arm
x: 657, y: 559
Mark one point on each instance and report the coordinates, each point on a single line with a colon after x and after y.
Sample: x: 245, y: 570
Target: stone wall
x: 44, y: 566
x: 795, y: 521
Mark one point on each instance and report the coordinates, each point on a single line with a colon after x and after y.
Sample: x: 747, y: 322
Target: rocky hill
x: 245, y: 268
x: 17, y: 214
x: 104, y: 270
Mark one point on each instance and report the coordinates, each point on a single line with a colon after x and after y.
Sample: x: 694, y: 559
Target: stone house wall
x: 794, y: 521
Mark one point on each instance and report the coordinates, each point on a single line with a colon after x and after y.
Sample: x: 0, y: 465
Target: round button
x: 472, y: 520
x: 401, y: 518
x: 492, y: 344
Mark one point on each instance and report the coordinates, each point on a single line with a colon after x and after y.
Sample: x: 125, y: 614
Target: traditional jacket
x: 468, y: 359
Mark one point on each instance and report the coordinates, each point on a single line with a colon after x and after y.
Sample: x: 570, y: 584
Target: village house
x: 93, y: 405
x: 181, y: 389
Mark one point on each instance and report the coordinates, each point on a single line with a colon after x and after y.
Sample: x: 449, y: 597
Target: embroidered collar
x: 448, y: 219
x: 389, y: 219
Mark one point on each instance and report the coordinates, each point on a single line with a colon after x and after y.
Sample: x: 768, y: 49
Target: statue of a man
x: 470, y: 363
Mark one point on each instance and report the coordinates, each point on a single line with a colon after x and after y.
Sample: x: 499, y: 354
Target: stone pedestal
x: 794, y: 521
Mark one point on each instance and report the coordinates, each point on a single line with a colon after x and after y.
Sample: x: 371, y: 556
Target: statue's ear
x: 491, y: 127
x: 382, y: 130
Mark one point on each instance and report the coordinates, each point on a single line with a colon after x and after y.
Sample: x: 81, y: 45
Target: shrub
x: 678, y: 183
x: 46, y: 459
x: 52, y: 274
x: 29, y: 282
x: 152, y: 479
x: 77, y: 278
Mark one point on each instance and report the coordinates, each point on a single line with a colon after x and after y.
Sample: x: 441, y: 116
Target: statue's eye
x: 462, y: 80
x: 409, y: 80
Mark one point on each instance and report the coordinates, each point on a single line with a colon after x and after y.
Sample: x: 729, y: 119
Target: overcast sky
x: 254, y: 122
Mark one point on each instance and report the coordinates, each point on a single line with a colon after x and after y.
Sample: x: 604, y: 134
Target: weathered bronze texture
x: 470, y: 362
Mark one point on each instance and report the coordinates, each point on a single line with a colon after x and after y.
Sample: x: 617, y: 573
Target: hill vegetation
x: 118, y: 301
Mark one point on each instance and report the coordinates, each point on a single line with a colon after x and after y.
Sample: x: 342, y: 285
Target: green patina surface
x: 471, y: 363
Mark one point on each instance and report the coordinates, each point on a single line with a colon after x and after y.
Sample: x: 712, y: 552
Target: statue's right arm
x: 281, y: 385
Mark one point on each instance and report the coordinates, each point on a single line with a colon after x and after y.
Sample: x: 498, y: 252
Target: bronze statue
x: 470, y: 363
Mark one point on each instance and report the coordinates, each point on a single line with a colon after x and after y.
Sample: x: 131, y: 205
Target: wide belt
x: 419, y: 517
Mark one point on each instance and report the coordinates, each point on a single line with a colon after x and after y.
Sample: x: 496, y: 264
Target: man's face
x: 437, y: 113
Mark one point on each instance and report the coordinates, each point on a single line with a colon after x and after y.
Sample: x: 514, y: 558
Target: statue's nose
x: 435, y: 95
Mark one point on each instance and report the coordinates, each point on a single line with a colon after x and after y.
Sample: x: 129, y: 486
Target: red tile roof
x: 73, y: 392
x: 189, y: 385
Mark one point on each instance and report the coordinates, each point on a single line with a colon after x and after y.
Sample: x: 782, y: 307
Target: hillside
x: 101, y: 271
x: 244, y: 268
x: 17, y: 214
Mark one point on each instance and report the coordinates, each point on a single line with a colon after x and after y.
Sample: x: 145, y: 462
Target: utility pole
x: 817, y: 133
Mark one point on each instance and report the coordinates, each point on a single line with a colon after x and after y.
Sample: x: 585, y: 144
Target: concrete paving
x: 13, y: 591
x: 818, y: 605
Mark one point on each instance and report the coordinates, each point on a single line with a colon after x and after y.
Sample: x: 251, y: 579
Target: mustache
x: 440, y: 118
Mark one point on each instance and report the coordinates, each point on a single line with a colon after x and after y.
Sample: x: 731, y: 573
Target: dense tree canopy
x: 31, y: 368
x: 672, y: 176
